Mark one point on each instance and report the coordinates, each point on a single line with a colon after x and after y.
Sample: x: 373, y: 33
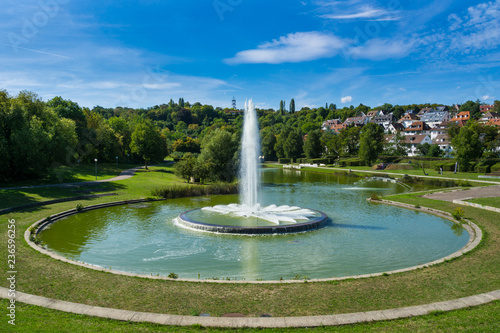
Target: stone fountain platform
x: 314, y: 223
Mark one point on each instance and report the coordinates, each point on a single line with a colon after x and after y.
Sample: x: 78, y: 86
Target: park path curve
x: 465, y: 194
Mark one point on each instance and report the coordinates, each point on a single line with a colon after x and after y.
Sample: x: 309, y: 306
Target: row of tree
x: 37, y: 135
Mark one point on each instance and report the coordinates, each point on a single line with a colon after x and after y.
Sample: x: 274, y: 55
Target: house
x: 424, y: 111
x: 486, y: 108
x: 395, y: 127
x: 442, y: 108
x: 412, y: 141
x: 439, y: 130
x: 488, y: 116
x: 417, y: 128
x: 494, y: 122
x: 461, y: 118
x: 435, y: 117
x: 356, y: 121
x: 407, y: 119
x: 332, y: 125
x: 443, y: 141
x: 374, y: 113
x: 384, y: 121
x: 411, y: 112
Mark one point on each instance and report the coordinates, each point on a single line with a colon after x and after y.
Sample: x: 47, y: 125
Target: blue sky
x: 142, y: 53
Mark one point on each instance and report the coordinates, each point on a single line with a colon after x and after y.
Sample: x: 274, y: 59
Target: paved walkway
x: 256, y: 322
x: 472, y: 193
x: 125, y: 174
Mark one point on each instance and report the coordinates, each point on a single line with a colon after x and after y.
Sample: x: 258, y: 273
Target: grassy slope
x: 492, y: 202
x: 43, y: 276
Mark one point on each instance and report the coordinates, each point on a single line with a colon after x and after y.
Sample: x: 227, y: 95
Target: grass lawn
x: 483, y: 318
x: 474, y: 273
x: 74, y: 174
x: 492, y: 202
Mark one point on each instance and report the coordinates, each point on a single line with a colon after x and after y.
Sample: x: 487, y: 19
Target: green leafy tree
x: 398, y: 146
x: 292, y: 106
x: 371, y: 142
x: 472, y: 107
x: 148, y: 143
x: 313, y: 147
x: 293, y: 145
x: 349, y: 138
x: 187, y: 145
x: 267, y: 145
x: 219, y: 149
x: 467, y: 146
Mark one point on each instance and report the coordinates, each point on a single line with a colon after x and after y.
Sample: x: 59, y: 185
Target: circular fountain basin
x: 198, y: 219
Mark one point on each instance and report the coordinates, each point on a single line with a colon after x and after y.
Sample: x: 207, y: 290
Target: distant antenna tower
x: 234, y: 103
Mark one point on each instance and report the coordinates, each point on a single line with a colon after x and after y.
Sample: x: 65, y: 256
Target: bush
x: 351, y: 162
x: 374, y: 196
x: 173, y: 276
x: 495, y: 167
x: 458, y: 214
x: 79, y: 207
x: 178, y: 191
x: 284, y: 160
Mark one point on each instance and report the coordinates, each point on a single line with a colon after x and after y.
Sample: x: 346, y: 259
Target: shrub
x: 79, y: 207
x: 178, y: 191
x: 458, y: 214
x: 173, y: 276
x: 284, y: 160
x: 374, y: 196
x: 495, y: 167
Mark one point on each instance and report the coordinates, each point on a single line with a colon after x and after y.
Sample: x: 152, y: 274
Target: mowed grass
x: 73, y: 174
x: 139, y: 186
x: 483, y: 318
x: 492, y: 202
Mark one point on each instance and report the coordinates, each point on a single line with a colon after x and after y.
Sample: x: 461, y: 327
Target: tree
x: 497, y: 107
x: 292, y: 106
x: 219, y: 148
x: 467, y: 146
x: 148, y: 143
x: 187, y: 145
x: 181, y: 102
x: 267, y: 144
x: 473, y: 108
x: 429, y: 150
x: 349, y: 138
x: 397, y: 146
x: 313, y: 147
x: 282, y: 107
x: 371, y: 142
x: 293, y: 145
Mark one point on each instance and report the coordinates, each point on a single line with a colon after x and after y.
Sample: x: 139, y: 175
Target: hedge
x: 284, y: 160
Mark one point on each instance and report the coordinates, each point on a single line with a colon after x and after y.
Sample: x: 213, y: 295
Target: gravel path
x: 472, y: 193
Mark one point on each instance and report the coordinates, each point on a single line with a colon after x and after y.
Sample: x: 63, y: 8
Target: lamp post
x: 117, y: 162
x: 95, y: 160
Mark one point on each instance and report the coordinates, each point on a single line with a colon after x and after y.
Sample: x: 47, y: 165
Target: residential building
x: 412, y: 141
x: 424, y: 111
x: 435, y: 117
x: 407, y: 119
x: 356, y: 121
x: 384, y: 121
x: 443, y: 141
x: 488, y: 116
x: 462, y: 118
x: 417, y: 128
x: 486, y: 108
x: 395, y: 127
x: 332, y: 125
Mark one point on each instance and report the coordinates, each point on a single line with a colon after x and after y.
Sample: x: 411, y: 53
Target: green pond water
x: 360, y: 238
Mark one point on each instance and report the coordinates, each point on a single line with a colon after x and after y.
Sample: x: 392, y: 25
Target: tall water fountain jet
x: 249, y: 217
x: 250, y: 152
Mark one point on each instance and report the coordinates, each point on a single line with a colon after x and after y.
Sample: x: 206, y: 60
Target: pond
x: 360, y: 237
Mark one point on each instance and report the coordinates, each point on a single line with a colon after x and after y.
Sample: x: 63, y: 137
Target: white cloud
x: 381, y: 49
x: 487, y: 97
x: 292, y: 48
x: 365, y: 12
x: 346, y: 99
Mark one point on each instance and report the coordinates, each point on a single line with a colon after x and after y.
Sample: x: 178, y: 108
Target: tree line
x: 37, y: 135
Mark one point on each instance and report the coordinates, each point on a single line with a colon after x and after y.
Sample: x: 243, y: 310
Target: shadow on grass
x: 34, y: 196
